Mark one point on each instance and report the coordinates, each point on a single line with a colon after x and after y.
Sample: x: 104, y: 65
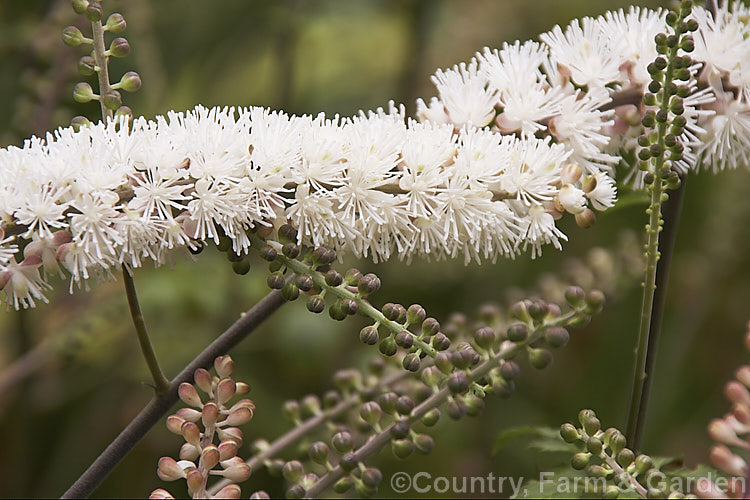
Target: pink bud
x: 189, y: 414
x: 243, y: 403
x: 232, y: 433
x: 210, y: 414
x: 195, y: 481
x: 209, y: 457
x: 169, y: 470
x: 722, y: 432
x: 237, y: 472
x: 737, y: 393
x: 239, y: 416
x: 723, y: 458
x: 224, y: 366
x: 742, y: 414
x: 204, y: 380
x: 174, y: 423
x: 191, y: 433
x: 227, y: 449
x: 61, y: 237
x: 189, y: 395
x: 225, y: 390
x: 705, y: 488
x: 160, y: 494
x: 743, y: 375
x: 189, y: 452
x: 231, y: 491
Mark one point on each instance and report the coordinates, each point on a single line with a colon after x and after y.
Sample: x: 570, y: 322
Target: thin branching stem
x: 160, y: 405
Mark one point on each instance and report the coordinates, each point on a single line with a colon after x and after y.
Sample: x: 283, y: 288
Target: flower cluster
x: 518, y: 137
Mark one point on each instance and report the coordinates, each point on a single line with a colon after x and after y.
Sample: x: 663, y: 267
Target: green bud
x: 411, y: 362
x: 292, y: 471
x: 290, y: 250
x: 78, y: 122
x: 591, y: 425
x: 335, y: 311
x: 86, y: 65
x: 93, y: 12
x: 112, y: 100
x: 342, y: 442
x: 83, y: 92
x: 322, y: 256
x: 424, y: 443
x: 348, y: 462
x: 625, y: 457
x: 440, y: 341
x: 510, y: 370
x: 617, y: 442
x: 73, y: 37
x: 369, y: 283
x: 295, y: 492
x: 399, y: 430
x: 575, y: 296
x: 642, y: 463
x: 119, y: 48
x: 611, y: 492
x: 431, y: 417
x: 353, y: 276
x: 350, y: 307
x: 291, y: 410
x: 648, y: 98
x: 310, y: 406
x: 402, y: 448
x: 539, y: 358
x: 290, y: 292
x: 474, y: 405
x: 370, y: 412
x: 692, y: 25
x: 520, y: 311
x: 79, y: 6
x: 333, y: 278
x: 388, y: 346
x: 569, y: 433
x: 594, y: 446
x: 596, y: 471
x: 115, y: 23
x: 343, y: 485
x: 485, y: 337
x: 595, y: 301
x: 130, y: 82
x: 319, y: 452
x: 415, y: 314
x: 579, y: 461
x: 241, y: 267
x: 287, y: 233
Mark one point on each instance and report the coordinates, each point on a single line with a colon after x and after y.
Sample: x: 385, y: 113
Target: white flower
x: 534, y: 165
x: 22, y: 283
x: 465, y: 95
x: 725, y: 143
x: 572, y: 199
x: 604, y: 194
x: 586, y: 51
x: 541, y: 230
x: 515, y: 66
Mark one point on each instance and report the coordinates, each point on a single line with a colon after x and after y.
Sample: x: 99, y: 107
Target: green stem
x: 341, y: 292
x: 161, y: 383
x: 643, y: 371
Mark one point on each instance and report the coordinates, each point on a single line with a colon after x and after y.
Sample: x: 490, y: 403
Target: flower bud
x: 292, y: 471
x: 225, y: 390
x: 594, y: 446
x: 240, y: 416
x: 342, y: 442
x: 189, y: 414
x: 431, y: 376
x: 430, y: 326
x: 115, y: 23
x: 234, y: 492
x: 130, y: 82
x: 517, y: 332
x: 310, y: 406
x: 210, y: 457
x: 160, y: 494
x: 79, y: 6
x: 485, y: 337
x: 411, y: 362
x: 189, y: 452
x: 443, y: 362
x: 474, y: 405
x: 579, y: 461
x: 319, y: 452
x: 119, y: 47
x: 83, y: 92
x: 415, y: 314
x: 388, y: 346
x: 290, y: 292
x: 569, y: 433
x: 203, y: 380
x: 556, y: 336
x: 73, y: 37
x: 112, y: 100
x: 352, y: 277
x: 174, y: 424
x: 456, y: 409
x: 370, y: 413
x: 191, y: 433
x: 232, y: 433
x: 238, y: 472
x: 596, y: 471
x: 642, y: 463
x: 209, y: 414
x: 440, y: 341
x: 372, y: 477
x: 431, y: 417
x: 625, y: 457
x: 458, y: 382
x: 539, y: 358
x: 369, y: 283
x: 404, y: 405
x: 343, y: 485
x: 227, y: 449
x: 402, y: 448
x: 510, y: 370
x: 295, y: 492
x: 586, y: 218
x: 169, y: 470
x: 189, y: 395
x: 93, y: 12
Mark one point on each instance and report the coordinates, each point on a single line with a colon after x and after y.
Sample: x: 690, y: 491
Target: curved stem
x: 159, y: 405
x: 161, y: 382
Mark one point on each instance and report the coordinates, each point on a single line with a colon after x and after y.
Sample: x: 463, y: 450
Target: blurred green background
x: 86, y: 381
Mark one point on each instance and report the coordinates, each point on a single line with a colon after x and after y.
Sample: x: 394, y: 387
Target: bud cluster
x: 209, y: 427
x: 614, y: 468
x: 732, y: 436
x: 97, y: 61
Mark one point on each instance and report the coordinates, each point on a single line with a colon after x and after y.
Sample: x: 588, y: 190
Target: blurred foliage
x: 339, y: 56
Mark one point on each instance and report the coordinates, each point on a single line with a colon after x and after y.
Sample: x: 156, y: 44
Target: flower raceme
x: 516, y: 138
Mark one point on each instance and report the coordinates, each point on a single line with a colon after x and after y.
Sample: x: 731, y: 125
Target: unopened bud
x: 169, y: 470
x: 586, y: 218
x: 83, y: 92
x: 189, y: 395
x: 115, y: 23
x: 119, y: 47
x: 72, y: 36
